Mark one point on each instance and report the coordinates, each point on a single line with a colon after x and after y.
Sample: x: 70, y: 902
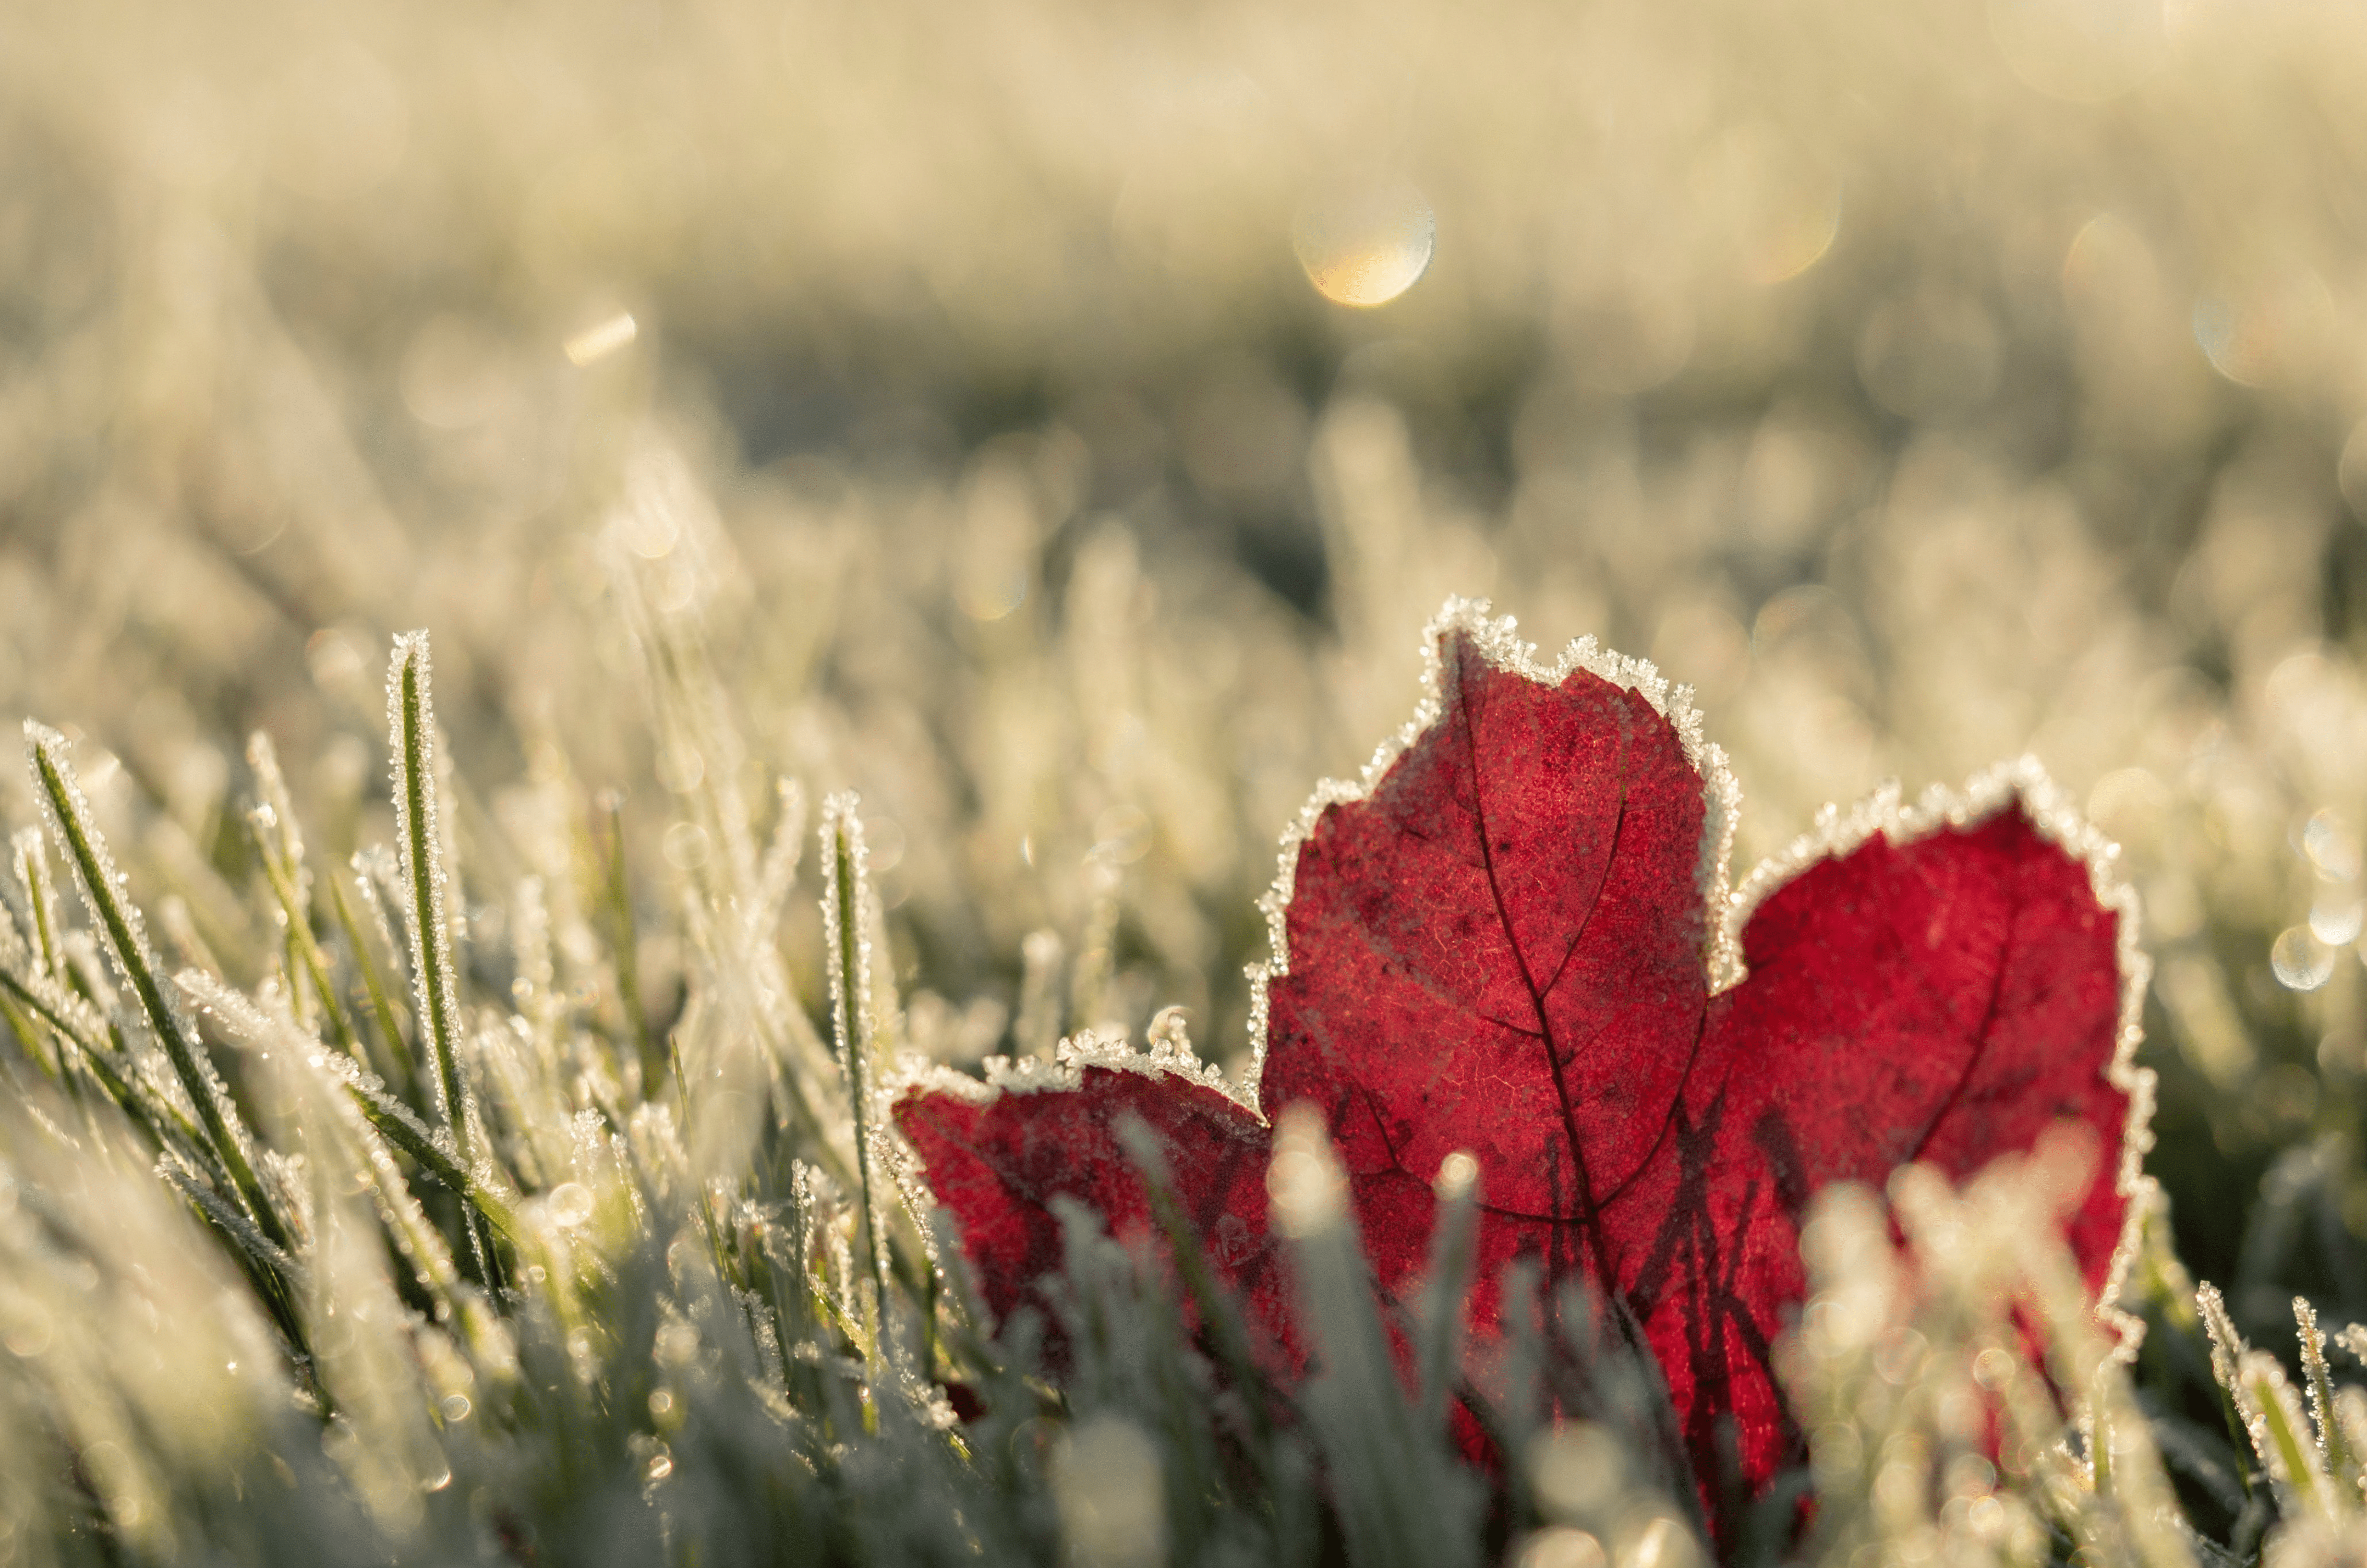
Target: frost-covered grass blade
x: 411, y: 722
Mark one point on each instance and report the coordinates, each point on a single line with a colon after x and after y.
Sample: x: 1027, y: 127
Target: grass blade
x: 1401, y: 1500
x: 411, y: 722
x: 392, y: 1118
x: 65, y: 1014
x: 626, y: 944
x: 1453, y: 1238
x: 846, y: 919
x: 126, y: 942
x: 2333, y: 1443
x: 402, y: 1068
x: 1218, y: 1316
x: 287, y: 887
x: 32, y: 856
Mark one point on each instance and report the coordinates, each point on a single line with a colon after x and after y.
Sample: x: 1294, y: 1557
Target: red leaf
x: 1519, y: 940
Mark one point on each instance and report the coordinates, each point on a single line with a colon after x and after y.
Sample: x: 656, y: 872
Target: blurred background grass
x: 1923, y: 384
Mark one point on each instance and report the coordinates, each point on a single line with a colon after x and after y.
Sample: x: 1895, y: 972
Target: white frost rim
x: 1836, y: 832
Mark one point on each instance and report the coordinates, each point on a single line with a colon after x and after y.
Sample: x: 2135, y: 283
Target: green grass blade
x: 411, y: 722
x: 1454, y: 1237
x: 1222, y: 1323
x: 627, y: 943
x: 32, y: 856
x: 2333, y: 1443
x: 29, y: 1042
x: 2280, y: 1418
x: 1402, y: 1501
x: 399, y: 1059
x: 395, y: 1120
x: 845, y: 911
x: 435, y: 983
x: 15, y: 956
x: 276, y: 1277
x: 56, y: 1007
x: 126, y: 943
x: 286, y: 889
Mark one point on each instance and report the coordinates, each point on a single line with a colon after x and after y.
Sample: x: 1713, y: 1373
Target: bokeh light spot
x: 1784, y: 203
x: 601, y: 338
x: 2302, y: 962
x: 2331, y: 846
x: 1364, y: 245
x: 2267, y: 332
x: 2336, y: 920
x: 2082, y: 51
x: 2350, y: 469
x: 1559, y: 1546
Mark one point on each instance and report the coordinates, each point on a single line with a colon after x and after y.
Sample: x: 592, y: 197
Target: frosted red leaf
x: 1518, y: 938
